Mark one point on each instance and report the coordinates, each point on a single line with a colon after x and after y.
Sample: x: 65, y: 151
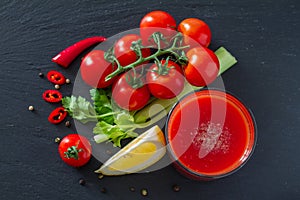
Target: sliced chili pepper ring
x: 57, y: 115
x: 56, y: 77
x: 52, y: 96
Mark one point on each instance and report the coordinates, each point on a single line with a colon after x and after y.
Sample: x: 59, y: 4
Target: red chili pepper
x: 65, y: 57
x: 52, y: 96
x: 57, y: 115
x: 56, y: 77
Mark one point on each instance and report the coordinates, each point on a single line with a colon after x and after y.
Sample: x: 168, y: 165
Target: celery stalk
x: 226, y: 60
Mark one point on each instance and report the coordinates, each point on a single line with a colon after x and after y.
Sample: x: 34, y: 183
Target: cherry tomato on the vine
x: 165, y: 82
x: 123, y: 52
x: 75, y: 150
x: 94, y: 68
x: 130, y: 93
x: 157, y: 21
x: 202, y: 68
x: 196, y: 29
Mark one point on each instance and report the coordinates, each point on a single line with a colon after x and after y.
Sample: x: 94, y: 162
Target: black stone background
x: 264, y: 37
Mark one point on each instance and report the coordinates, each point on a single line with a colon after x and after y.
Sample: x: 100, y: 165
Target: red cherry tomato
x: 202, y: 68
x: 157, y: 21
x: 196, y: 29
x: 75, y: 150
x: 123, y: 52
x: 94, y: 68
x: 129, y: 95
x: 56, y: 77
x: 166, y: 84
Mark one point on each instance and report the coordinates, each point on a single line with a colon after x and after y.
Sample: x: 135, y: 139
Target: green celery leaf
x: 102, y: 104
x: 100, y: 138
x: 123, y: 118
x: 80, y: 109
x: 113, y: 132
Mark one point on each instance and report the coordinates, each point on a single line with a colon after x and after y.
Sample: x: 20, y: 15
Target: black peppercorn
x: 68, y: 124
x: 103, y: 190
x: 176, y: 188
x: 81, y: 181
x: 41, y: 75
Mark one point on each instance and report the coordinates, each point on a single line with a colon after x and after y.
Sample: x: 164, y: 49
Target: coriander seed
x: 57, y: 140
x: 56, y: 86
x: 144, y: 192
x: 31, y: 108
x: 132, y: 189
x: 68, y: 81
x: 101, y: 176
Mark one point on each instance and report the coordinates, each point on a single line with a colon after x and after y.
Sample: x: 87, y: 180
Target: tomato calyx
x: 134, y: 79
x: 129, y: 91
x: 162, y: 69
x: 73, y: 152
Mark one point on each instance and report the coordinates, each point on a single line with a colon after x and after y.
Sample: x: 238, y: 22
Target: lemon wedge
x: 139, y: 154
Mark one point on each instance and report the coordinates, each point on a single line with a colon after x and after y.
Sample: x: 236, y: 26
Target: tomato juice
x: 210, y: 134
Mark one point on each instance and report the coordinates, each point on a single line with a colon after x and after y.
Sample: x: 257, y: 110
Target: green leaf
x: 123, y: 117
x: 100, y: 98
x: 102, y: 104
x: 79, y: 108
x: 100, y: 138
x: 112, y: 132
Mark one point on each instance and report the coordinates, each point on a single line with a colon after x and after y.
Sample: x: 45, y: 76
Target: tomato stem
x: 137, y: 47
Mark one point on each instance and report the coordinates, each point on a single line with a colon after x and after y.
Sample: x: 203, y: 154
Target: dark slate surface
x: 263, y: 35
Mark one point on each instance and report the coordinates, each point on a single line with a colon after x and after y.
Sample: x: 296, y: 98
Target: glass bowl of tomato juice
x: 210, y: 134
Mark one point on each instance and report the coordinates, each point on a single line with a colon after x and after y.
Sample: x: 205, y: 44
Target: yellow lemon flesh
x: 142, y: 152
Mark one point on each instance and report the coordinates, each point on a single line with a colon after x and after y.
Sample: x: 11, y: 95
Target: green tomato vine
x: 174, y: 49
